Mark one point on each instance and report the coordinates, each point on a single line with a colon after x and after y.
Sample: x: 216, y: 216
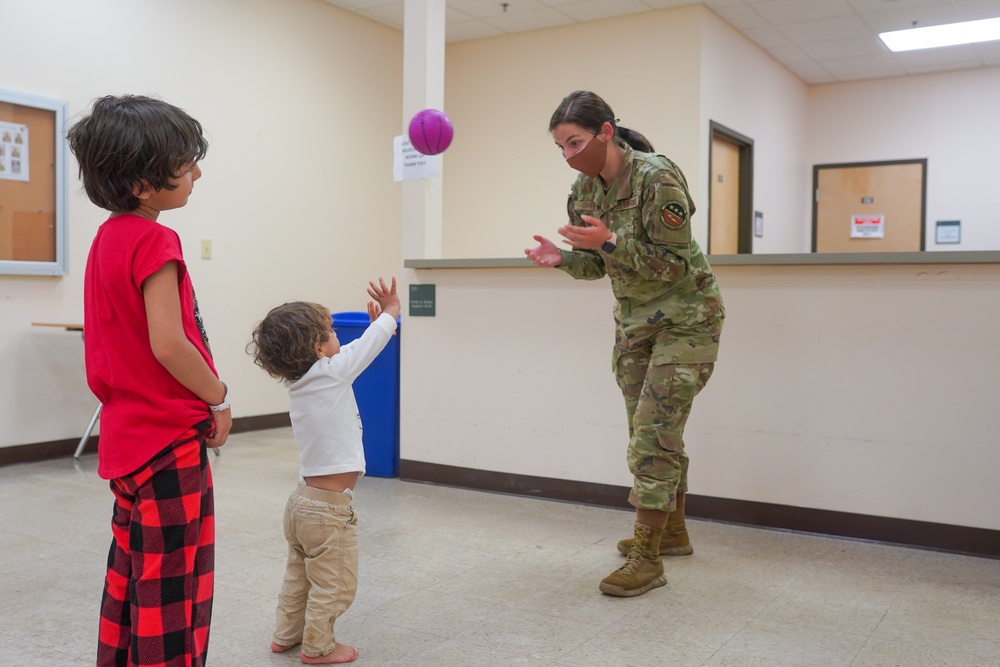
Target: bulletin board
x: 32, y: 185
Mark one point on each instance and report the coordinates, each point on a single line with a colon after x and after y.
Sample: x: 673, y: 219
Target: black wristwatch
x: 608, y: 246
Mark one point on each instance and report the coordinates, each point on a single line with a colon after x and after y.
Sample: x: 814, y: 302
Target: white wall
x: 951, y: 118
x: 297, y: 194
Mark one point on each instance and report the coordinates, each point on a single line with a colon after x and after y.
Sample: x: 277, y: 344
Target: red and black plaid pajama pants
x: 157, y: 602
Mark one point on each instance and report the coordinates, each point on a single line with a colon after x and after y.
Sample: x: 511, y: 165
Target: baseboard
x: 887, y: 530
x: 603, y: 495
x: 55, y: 449
x: 261, y: 422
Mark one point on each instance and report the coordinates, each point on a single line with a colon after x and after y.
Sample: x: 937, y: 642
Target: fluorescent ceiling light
x: 949, y: 34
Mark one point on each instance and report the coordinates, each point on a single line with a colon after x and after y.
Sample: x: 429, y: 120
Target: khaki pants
x: 321, y: 577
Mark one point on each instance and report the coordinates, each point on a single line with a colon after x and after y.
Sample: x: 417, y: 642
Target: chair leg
x: 86, y: 435
x: 90, y: 429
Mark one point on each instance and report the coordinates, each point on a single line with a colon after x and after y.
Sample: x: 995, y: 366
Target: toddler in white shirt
x: 295, y: 343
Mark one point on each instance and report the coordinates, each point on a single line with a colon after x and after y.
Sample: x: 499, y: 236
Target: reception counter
x: 854, y: 394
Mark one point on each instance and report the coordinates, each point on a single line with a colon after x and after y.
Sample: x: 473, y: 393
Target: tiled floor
x: 460, y: 578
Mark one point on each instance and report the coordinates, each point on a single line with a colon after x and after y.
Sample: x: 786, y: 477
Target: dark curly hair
x: 133, y: 141
x: 590, y: 111
x: 284, y: 343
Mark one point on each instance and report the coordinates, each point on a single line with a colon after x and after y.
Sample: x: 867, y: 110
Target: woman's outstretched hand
x: 545, y: 253
x: 591, y: 237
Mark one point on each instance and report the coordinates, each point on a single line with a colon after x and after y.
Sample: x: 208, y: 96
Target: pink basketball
x: 431, y: 131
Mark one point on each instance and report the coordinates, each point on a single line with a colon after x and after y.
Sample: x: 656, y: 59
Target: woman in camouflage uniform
x: 630, y: 219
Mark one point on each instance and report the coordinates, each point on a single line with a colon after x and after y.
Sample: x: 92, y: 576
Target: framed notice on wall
x: 32, y: 185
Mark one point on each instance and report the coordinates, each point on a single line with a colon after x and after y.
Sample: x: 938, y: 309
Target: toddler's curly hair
x: 284, y: 342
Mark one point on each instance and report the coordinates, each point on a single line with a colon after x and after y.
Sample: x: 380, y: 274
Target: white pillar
x: 423, y: 88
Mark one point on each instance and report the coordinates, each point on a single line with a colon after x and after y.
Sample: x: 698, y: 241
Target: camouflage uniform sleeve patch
x: 674, y: 215
x: 668, y: 214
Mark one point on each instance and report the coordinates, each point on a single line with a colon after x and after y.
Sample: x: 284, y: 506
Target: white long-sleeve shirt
x: 323, y: 410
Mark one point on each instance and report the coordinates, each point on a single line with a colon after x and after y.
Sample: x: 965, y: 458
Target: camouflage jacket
x: 660, y: 278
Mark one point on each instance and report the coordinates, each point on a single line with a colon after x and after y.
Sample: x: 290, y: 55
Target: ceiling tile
x: 460, y: 32
x: 971, y: 10
x: 391, y: 14
x: 902, y: 19
x: 844, y: 48
x: 530, y: 20
x: 865, y: 6
x: 595, y: 10
x: 767, y: 37
x: 988, y: 52
x: 810, y: 72
x: 870, y: 67
x: 741, y: 17
x: 715, y: 4
x: 668, y: 4
x: 940, y: 67
x: 932, y: 60
x: 452, y: 15
x: 825, y: 30
x: 780, y: 12
x: 364, y: 5
x: 790, y: 55
x: 487, y: 9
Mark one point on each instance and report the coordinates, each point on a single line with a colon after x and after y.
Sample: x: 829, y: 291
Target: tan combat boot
x: 643, y: 568
x: 675, y: 540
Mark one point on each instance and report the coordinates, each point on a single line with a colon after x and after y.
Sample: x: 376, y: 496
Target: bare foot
x: 340, y: 653
x: 278, y: 648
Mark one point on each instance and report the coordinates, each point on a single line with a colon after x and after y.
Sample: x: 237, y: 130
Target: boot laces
x: 632, y: 561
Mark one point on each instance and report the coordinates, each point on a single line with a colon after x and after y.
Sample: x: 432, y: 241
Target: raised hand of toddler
x: 386, y: 299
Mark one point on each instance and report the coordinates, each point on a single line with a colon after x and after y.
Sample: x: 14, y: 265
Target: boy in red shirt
x: 149, y: 363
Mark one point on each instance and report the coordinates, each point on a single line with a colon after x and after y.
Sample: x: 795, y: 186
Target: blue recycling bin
x: 377, y: 393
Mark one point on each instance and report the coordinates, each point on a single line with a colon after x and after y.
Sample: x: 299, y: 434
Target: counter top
x: 943, y: 257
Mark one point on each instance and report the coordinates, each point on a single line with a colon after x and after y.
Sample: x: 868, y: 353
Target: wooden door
x: 849, y: 197
x: 724, y: 208
x: 730, y: 191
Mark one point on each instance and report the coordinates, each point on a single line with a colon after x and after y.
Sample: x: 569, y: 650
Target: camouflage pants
x: 658, y: 400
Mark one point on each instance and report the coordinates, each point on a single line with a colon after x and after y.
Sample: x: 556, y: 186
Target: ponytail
x: 635, y: 140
